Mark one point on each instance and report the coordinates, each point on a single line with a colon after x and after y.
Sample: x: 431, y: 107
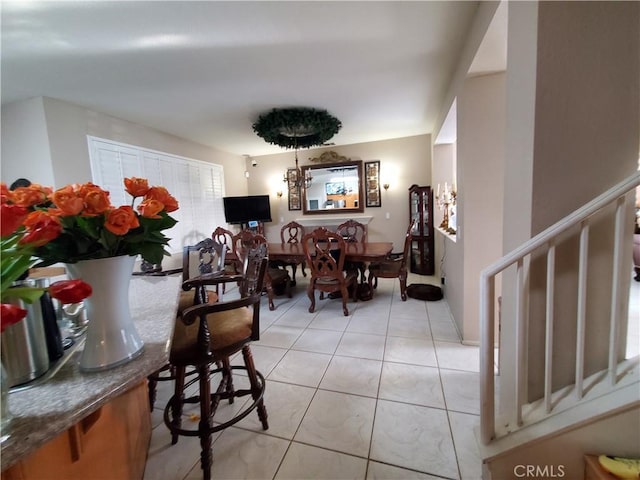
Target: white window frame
x: 197, y: 185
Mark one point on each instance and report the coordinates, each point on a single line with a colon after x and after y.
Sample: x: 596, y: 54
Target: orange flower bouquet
x: 78, y: 226
x: 78, y: 222
x: 17, y: 250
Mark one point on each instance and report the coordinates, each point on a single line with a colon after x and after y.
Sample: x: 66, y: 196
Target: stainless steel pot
x: 24, y: 345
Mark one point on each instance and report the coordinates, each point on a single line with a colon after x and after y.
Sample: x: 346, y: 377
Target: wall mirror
x: 334, y: 188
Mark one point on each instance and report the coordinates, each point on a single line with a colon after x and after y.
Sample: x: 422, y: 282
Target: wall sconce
x: 246, y: 174
x: 385, y: 186
x: 279, y: 193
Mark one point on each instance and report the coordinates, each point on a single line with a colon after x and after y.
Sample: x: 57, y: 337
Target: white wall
x: 480, y: 155
x: 449, y: 257
x: 481, y: 21
x: 586, y: 136
x: 573, y: 132
x: 25, y: 143
x: 66, y: 151
x: 455, y: 259
x: 403, y: 162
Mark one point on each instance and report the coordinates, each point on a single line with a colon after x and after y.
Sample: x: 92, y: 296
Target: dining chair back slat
x: 354, y: 232
x: 292, y: 233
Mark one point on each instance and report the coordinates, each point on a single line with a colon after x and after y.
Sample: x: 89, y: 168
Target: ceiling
x: 205, y: 70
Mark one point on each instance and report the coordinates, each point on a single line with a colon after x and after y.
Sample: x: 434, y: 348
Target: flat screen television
x: 247, y: 209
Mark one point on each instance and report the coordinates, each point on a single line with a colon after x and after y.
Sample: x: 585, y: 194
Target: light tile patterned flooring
x: 388, y: 392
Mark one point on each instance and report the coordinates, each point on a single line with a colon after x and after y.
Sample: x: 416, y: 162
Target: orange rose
x: 96, y: 201
x: 11, y: 217
x: 120, y: 220
x: 67, y: 200
x: 83, y: 188
x: 30, y: 196
x: 170, y: 204
x: 150, y: 208
x: 162, y: 195
x: 136, y: 187
x: 41, y: 228
x: 55, y: 212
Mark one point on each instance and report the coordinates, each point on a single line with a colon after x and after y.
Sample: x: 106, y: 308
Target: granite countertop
x: 48, y: 409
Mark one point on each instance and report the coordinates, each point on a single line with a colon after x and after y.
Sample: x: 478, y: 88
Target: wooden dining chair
x: 204, y: 339
x: 394, y: 267
x: 354, y: 232
x: 203, y: 260
x: 325, y: 252
x: 276, y: 278
x: 225, y: 237
x: 292, y: 233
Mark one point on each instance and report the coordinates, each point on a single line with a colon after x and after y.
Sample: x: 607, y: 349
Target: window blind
x: 198, y: 186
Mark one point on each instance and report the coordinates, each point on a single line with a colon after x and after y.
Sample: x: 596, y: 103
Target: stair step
x: 582, y: 413
x: 595, y: 386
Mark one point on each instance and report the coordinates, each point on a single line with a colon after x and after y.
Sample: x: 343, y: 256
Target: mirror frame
x: 335, y: 211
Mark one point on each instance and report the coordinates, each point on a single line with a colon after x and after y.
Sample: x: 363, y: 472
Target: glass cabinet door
x: 420, y: 210
x: 415, y: 212
x: 425, y: 214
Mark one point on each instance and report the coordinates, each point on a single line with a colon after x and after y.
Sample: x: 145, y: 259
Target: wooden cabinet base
x: 110, y: 443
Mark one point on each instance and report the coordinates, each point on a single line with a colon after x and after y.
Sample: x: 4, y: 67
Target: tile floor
x: 388, y: 392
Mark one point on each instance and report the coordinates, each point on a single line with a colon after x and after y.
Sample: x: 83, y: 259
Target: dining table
x: 366, y: 252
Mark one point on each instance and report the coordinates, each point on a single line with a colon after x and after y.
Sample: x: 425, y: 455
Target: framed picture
x: 293, y: 186
x: 372, y: 183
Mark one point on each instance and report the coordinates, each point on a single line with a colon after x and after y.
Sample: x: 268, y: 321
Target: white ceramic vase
x: 112, y: 338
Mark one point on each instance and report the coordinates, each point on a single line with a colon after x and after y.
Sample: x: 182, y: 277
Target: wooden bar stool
x: 206, y: 258
x: 205, y: 337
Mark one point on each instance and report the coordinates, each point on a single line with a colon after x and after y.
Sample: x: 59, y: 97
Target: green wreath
x: 298, y: 127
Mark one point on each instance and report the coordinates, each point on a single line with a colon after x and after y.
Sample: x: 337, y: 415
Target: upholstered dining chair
x: 204, y: 339
x: 354, y: 232
x: 394, y: 267
x: 276, y: 278
x: 292, y: 232
x: 205, y: 259
x: 325, y: 252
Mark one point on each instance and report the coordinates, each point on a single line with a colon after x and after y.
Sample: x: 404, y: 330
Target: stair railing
x: 546, y: 240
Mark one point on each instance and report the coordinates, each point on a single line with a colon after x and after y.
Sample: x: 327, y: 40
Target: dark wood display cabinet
x: 421, y: 210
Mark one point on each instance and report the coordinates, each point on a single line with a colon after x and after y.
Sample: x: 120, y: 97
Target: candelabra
x: 445, y: 201
x: 295, y: 178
